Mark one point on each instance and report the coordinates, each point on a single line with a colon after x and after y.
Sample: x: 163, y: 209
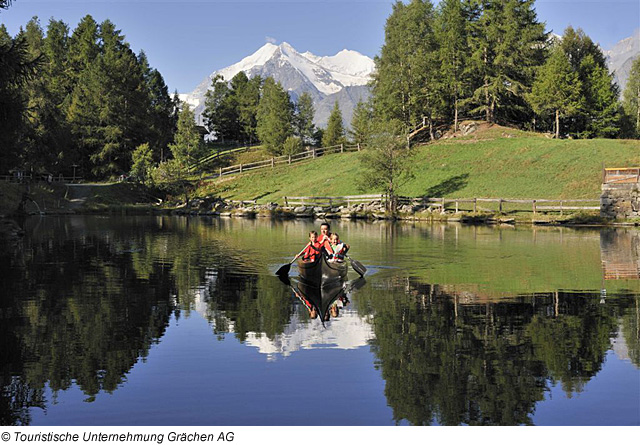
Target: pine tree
x: 275, y: 116
x: 361, y: 123
x: 142, y: 162
x: 334, y: 133
x: 556, y: 89
x: 304, y: 114
x: 631, y: 97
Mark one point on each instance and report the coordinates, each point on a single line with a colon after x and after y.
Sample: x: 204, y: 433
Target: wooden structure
x: 623, y: 175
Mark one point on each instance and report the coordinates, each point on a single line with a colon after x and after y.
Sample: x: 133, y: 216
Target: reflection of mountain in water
x: 348, y: 331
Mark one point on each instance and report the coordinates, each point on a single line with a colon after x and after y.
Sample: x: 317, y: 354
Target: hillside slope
x: 494, y: 162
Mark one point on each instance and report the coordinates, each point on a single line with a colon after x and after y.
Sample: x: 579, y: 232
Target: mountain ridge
x: 343, y: 77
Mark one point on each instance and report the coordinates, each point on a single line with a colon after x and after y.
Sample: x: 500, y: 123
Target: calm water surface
x: 177, y: 321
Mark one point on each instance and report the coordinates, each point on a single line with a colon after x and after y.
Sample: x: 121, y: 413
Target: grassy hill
x: 493, y: 162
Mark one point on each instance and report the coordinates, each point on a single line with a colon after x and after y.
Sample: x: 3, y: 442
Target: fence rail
x: 286, y: 159
x: 443, y: 204
x: 42, y: 178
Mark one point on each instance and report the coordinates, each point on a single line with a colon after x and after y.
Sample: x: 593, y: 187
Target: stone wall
x: 620, y: 201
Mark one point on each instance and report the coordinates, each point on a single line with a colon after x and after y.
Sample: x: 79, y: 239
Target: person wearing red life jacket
x: 325, y: 237
x: 313, y: 249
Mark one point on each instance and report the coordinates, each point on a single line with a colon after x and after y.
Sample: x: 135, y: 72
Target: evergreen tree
x: 361, y: 123
x: 508, y: 44
x: 275, y: 116
x: 142, y: 162
x: 602, y: 103
x: 187, y: 144
x: 452, y: 40
x: 631, y: 97
x: 220, y: 113
x: 247, y: 100
x: 556, y: 89
x: 334, y: 133
x: 600, y: 115
x: 403, y: 86
x: 304, y: 118
x: 292, y: 145
x: 16, y: 69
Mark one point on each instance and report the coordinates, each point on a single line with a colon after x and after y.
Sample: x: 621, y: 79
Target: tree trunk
x: 455, y: 115
x: 486, y: 89
x: 557, y: 124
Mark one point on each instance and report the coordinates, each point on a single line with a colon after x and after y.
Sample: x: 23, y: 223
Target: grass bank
x: 495, y: 162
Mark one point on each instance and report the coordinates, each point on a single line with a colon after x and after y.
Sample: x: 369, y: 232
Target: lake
x: 145, y: 320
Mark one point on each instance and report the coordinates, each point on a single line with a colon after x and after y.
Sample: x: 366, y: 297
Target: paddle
x: 284, y: 270
x: 357, y: 266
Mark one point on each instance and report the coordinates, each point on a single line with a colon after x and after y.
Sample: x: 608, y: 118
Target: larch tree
x: 304, y: 115
x: 275, y: 116
x: 334, y: 133
x: 631, y: 97
x: 556, y: 89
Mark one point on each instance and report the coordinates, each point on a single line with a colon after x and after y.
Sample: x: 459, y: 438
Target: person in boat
x: 338, y: 248
x: 325, y: 237
x: 313, y: 249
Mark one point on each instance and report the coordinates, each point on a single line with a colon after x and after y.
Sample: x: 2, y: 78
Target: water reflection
x: 465, y: 325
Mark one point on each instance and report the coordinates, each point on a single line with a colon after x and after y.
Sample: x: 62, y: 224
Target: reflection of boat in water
x: 321, y: 300
x: 322, y: 271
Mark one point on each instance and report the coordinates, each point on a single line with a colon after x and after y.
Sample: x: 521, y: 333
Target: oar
x: 284, y: 270
x: 357, y: 266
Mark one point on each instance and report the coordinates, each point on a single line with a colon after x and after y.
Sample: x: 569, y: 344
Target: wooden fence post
x: 534, y: 207
x: 561, y: 202
x: 272, y: 163
x: 286, y: 202
x: 220, y: 175
x: 475, y: 205
x: 358, y: 146
x: 289, y: 159
x: 341, y: 148
x: 313, y: 153
x: 500, y: 205
x: 456, y: 206
x: 240, y: 168
x: 442, y: 211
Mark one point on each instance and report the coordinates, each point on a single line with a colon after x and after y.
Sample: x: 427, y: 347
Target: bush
x: 292, y: 145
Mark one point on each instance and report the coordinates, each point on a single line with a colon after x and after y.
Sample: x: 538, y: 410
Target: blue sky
x: 187, y: 40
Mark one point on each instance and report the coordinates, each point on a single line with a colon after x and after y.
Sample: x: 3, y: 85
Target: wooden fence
x: 280, y: 160
x: 453, y: 204
x: 41, y: 178
x: 332, y: 201
x: 205, y: 160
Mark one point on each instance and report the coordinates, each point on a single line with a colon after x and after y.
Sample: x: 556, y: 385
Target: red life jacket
x: 311, y: 251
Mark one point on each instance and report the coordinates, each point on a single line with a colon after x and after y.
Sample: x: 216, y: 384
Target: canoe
x: 322, y: 272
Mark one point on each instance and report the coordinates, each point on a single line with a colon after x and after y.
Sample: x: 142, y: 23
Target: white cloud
x: 269, y: 39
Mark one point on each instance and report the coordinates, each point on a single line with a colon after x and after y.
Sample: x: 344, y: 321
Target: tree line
x: 493, y: 59
x: 260, y: 110
x: 79, y: 98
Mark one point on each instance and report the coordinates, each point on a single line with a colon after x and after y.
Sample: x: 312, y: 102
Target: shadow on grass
x: 447, y: 186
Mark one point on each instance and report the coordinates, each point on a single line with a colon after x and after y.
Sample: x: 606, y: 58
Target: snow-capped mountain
x: 621, y: 56
x: 342, y: 77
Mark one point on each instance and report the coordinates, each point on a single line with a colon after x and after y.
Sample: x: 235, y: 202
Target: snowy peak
x: 344, y: 74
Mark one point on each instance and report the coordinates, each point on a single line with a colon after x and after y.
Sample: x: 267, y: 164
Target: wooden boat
x: 322, y: 271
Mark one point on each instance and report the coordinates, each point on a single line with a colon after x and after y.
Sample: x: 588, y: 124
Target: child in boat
x: 313, y: 248
x: 338, y: 248
x: 325, y: 237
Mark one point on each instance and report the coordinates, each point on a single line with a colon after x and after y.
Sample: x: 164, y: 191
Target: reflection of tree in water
x: 484, y: 363
x: 248, y: 303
